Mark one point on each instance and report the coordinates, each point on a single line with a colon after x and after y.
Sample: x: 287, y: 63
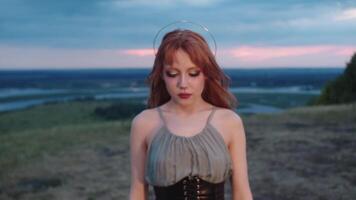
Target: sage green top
x: 172, y: 157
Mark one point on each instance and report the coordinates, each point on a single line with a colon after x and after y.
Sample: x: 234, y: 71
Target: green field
x: 48, y: 129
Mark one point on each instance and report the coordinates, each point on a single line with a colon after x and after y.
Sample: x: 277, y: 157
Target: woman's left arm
x: 239, y: 181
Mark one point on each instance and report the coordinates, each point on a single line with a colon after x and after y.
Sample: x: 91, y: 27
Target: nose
x: 183, y: 82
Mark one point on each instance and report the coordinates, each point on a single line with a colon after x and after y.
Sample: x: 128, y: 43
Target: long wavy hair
x: 216, y: 82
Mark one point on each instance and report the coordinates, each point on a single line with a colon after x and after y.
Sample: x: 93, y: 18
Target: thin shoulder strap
x: 161, y: 115
x: 211, y: 114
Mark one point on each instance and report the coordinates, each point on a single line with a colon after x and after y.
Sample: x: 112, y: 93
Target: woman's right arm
x: 138, y: 148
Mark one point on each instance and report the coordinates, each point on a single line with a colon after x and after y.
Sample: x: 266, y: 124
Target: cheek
x: 202, y: 84
x: 201, y: 80
x: 199, y: 83
x: 170, y: 81
x: 170, y: 84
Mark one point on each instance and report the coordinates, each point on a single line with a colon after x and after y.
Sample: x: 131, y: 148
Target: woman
x: 189, y: 140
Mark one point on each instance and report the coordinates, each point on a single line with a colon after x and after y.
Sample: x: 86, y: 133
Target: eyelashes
x: 175, y: 74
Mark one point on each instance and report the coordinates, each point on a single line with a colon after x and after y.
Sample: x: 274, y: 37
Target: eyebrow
x: 188, y: 68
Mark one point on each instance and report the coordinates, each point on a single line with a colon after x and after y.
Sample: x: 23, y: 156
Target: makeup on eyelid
x: 194, y: 74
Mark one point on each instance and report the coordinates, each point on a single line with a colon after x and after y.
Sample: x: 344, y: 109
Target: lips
x: 184, y: 95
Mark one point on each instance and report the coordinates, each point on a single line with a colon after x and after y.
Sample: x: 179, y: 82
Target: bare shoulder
x: 229, y: 123
x: 228, y: 116
x: 144, y: 123
x: 144, y: 118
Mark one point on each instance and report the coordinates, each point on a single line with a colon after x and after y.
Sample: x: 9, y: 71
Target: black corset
x: 191, y: 188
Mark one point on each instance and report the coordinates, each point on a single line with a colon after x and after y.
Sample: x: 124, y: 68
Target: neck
x: 187, y: 110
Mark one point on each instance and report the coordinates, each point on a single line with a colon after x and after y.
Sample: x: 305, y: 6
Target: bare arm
x: 240, y: 183
x: 138, y: 189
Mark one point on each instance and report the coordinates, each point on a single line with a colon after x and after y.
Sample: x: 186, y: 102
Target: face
x: 183, y: 76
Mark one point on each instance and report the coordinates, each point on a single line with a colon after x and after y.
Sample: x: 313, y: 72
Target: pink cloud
x: 245, y: 56
x: 137, y: 52
x: 346, y: 51
x: 306, y: 56
x: 265, y: 53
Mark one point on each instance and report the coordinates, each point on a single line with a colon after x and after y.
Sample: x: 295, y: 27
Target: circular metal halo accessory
x: 185, y: 22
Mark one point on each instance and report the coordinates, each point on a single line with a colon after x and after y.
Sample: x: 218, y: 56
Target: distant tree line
x: 340, y: 90
x: 120, y: 110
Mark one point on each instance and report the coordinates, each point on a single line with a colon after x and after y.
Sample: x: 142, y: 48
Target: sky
x: 52, y: 34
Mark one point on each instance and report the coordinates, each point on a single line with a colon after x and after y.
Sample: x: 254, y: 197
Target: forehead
x: 180, y: 60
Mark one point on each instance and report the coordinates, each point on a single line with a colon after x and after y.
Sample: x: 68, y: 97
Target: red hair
x: 216, y: 82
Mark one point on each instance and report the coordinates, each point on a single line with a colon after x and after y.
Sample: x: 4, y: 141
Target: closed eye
x: 195, y: 74
x: 171, y: 74
x: 175, y: 74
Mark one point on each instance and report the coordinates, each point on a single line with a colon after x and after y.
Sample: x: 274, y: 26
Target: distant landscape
x: 258, y: 90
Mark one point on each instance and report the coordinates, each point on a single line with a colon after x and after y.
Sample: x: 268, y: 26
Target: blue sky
x: 119, y: 33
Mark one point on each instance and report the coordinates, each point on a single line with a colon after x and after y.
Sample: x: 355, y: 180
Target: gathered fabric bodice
x: 171, y: 157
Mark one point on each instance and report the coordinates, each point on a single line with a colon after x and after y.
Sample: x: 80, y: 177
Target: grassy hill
x: 62, y: 151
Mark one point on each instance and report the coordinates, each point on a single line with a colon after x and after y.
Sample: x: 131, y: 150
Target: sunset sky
x: 52, y: 34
